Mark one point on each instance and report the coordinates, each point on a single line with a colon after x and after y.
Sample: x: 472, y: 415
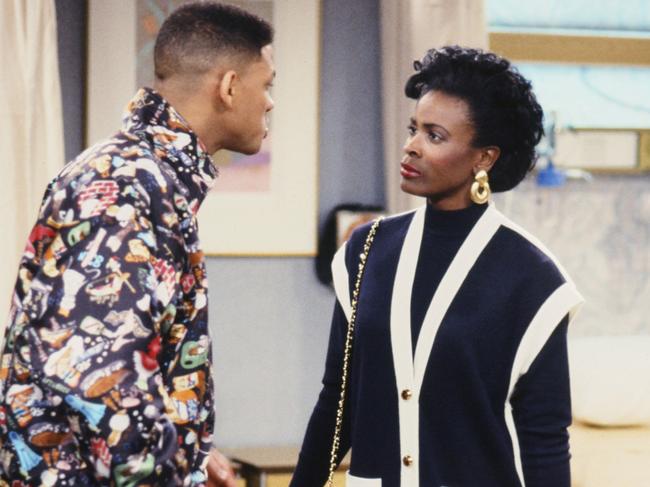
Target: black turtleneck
x: 444, y: 233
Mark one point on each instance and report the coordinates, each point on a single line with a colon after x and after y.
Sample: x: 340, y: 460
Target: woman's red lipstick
x: 409, y: 172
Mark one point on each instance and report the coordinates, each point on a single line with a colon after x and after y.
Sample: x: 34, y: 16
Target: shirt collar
x: 452, y: 222
x: 150, y: 116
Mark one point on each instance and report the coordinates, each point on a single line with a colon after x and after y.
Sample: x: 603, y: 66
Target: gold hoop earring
x: 480, y: 190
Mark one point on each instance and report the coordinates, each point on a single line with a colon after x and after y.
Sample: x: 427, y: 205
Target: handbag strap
x: 336, y: 441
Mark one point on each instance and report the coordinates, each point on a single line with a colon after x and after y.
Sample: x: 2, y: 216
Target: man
x: 106, y: 369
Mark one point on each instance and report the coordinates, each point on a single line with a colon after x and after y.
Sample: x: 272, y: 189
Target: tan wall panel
x: 571, y: 49
x: 644, y: 150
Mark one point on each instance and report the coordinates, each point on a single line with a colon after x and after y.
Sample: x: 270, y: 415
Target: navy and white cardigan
x: 482, y: 397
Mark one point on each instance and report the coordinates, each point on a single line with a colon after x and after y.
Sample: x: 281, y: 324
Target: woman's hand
x: 220, y: 473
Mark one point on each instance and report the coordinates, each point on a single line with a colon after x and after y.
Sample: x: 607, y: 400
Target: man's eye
x: 411, y: 130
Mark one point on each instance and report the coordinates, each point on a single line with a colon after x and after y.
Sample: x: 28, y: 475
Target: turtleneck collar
x: 452, y: 222
x: 149, y: 116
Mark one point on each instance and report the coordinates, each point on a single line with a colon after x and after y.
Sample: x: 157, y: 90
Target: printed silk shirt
x: 105, y: 376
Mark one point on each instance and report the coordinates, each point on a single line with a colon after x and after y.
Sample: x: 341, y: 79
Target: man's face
x: 253, y: 102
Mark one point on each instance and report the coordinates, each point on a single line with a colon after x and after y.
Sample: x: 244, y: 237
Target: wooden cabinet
x: 271, y: 466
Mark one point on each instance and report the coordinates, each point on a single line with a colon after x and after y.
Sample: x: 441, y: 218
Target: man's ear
x: 227, y: 88
x: 488, y: 157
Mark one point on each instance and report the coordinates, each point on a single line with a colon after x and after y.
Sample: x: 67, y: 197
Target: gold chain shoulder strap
x: 348, y: 350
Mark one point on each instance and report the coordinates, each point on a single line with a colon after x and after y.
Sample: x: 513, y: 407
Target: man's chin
x: 247, y: 150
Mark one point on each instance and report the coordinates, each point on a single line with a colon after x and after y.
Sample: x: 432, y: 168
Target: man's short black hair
x: 196, y: 34
x: 503, y: 108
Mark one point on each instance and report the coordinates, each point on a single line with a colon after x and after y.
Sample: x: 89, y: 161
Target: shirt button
x: 407, y: 394
x: 408, y: 460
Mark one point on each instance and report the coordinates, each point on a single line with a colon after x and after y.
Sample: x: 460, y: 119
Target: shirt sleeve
x: 314, y: 459
x: 96, y: 306
x: 542, y: 413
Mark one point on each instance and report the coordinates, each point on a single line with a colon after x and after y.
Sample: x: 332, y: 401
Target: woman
x: 459, y: 375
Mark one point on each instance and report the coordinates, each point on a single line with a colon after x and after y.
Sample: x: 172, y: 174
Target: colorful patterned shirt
x: 106, y: 369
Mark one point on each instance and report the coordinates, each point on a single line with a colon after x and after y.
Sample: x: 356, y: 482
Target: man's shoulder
x: 121, y: 161
x: 120, y: 175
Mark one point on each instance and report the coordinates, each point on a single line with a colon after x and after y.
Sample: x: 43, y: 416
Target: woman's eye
x: 411, y: 130
x: 434, y: 137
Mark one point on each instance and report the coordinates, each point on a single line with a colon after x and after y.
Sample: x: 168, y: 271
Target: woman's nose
x: 410, y: 147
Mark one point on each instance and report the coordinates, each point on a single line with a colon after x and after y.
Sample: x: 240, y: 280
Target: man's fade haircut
x: 195, y: 35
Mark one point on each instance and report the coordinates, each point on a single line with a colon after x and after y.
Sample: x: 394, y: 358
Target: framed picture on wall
x: 261, y: 205
x: 604, y: 150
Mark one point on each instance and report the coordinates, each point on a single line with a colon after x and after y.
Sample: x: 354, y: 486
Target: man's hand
x: 220, y: 473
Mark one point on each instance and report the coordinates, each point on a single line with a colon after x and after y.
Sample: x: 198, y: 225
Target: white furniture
x: 610, y: 380
x: 610, y: 388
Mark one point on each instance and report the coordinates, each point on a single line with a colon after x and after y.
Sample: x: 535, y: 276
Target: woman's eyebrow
x: 430, y: 125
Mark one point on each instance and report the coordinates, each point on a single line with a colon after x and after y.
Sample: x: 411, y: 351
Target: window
x: 589, y: 61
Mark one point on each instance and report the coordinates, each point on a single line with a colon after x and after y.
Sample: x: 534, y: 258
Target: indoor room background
x: 589, y: 200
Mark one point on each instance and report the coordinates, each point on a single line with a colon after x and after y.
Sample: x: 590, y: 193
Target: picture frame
x: 279, y: 220
x: 603, y: 150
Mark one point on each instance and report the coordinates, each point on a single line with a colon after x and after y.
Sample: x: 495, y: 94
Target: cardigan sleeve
x: 542, y: 412
x: 313, y: 462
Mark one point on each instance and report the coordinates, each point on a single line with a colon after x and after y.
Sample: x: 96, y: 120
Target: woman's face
x: 439, y: 160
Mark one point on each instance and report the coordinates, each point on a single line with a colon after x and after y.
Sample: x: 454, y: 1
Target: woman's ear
x: 227, y: 88
x: 488, y: 157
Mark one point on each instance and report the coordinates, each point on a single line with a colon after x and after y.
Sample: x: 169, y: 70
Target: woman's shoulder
x: 390, y: 227
x: 523, y: 249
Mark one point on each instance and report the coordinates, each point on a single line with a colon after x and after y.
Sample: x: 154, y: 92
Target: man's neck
x: 194, y: 108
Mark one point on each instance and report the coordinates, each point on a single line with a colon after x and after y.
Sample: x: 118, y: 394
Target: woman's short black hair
x: 197, y: 33
x: 502, y: 105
